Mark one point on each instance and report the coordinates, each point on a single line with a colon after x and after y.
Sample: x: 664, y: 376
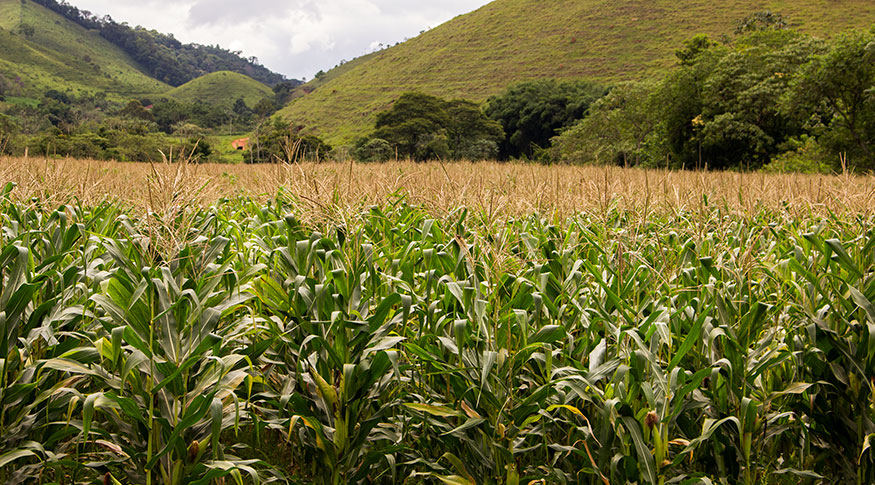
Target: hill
x: 221, y: 89
x: 164, y: 57
x: 479, y: 54
x: 41, y: 50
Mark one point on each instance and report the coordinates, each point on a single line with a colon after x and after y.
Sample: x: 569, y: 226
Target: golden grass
x: 492, y: 190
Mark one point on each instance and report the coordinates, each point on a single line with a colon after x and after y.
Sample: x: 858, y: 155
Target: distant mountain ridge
x: 165, y: 58
x: 479, y: 54
x: 41, y: 50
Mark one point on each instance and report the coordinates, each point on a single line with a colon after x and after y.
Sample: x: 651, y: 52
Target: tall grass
x: 419, y: 343
x: 496, y: 190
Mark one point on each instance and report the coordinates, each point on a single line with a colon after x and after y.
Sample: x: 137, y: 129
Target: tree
x: 741, y: 123
x: 423, y: 127
x: 264, y: 108
x: 722, y: 106
x: 531, y: 113
x: 8, y: 135
x: 4, y: 88
x: 283, y: 92
x: 616, y: 130
x: 276, y: 141
x: 241, y: 109
x: 372, y: 150
x: 838, y: 86
x: 470, y: 134
x: 135, y: 109
x: 693, y: 47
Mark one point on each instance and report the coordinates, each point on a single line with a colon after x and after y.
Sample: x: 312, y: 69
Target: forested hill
x: 164, y: 57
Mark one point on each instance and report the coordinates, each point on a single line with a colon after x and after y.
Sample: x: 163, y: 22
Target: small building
x: 240, y: 144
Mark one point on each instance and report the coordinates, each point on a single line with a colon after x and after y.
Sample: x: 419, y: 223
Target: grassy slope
x: 222, y: 88
x: 63, y: 55
x: 476, y: 55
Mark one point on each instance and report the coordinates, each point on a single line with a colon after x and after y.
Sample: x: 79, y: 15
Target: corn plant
x: 397, y: 345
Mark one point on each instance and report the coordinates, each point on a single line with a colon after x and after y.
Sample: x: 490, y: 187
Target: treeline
x: 767, y: 98
x: 166, y: 58
x: 61, y: 124
x: 90, y: 126
x: 773, y: 99
x: 64, y: 124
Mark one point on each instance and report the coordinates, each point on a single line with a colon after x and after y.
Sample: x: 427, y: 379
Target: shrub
x: 373, y: 150
x: 806, y: 156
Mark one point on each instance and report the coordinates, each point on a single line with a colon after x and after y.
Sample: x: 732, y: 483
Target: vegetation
x: 307, y: 321
x: 423, y: 127
x: 67, y: 91
x: 62, y: 55
x: 532, y: 113
x: 164, y: 57
x: 221, y: 89
x: 481, y: 54
x: 62, y: 124
x: 276, y: 142
x: 499, y: 190
x: 394, y: 344
x: 747, y: 104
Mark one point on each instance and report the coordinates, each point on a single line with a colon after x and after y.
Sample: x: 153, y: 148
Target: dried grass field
x: 433, y: 324
x: 493, y: 189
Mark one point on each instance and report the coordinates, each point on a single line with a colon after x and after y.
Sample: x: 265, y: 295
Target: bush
x: 111, y: 144
x: 478, y: 150
x: 275, y: 141
x: 808, y: 156
x: 373, y: 150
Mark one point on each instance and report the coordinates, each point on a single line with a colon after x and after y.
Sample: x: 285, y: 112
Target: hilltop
x: 41, y: 50
x: 221, y: 88
x: 46, y: 44
x: 163, y: 56
x: 479, y: 54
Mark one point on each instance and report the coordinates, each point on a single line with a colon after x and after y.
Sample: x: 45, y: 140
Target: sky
x: 297, y: 38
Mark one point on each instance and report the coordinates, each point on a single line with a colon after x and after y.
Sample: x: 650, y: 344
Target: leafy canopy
x: 531, y: 113
x: 423, y: 127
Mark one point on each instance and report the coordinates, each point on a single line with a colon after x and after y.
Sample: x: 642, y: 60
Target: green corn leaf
x: 843, y: 257
x: 453, y: 479
x: 548, y: 334
x: 645, y: 457
x: 216, y: 415
x: 88, y: 413
x: 11, y: 456
x: 441, y: 411
x: 690, y: 340
x: 470, y: 423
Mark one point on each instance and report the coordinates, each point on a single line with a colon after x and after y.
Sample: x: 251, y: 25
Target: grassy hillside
x: 222, y: 88
x: 62, y: 55
x: 479, y: 54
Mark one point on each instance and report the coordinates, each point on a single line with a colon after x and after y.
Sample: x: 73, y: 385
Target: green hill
x: 479, y: 54
x: 222, y: 88
x: 41, y: 50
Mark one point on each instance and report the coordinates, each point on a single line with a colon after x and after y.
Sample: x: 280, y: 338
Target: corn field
x: 243, y: 343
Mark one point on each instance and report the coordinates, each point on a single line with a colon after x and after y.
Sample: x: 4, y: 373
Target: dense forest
x: 166, y: 58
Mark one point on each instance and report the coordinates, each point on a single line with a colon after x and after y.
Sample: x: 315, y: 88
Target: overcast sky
x: 294, y: 37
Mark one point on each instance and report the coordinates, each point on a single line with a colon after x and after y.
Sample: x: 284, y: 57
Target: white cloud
x: 294, y: 37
